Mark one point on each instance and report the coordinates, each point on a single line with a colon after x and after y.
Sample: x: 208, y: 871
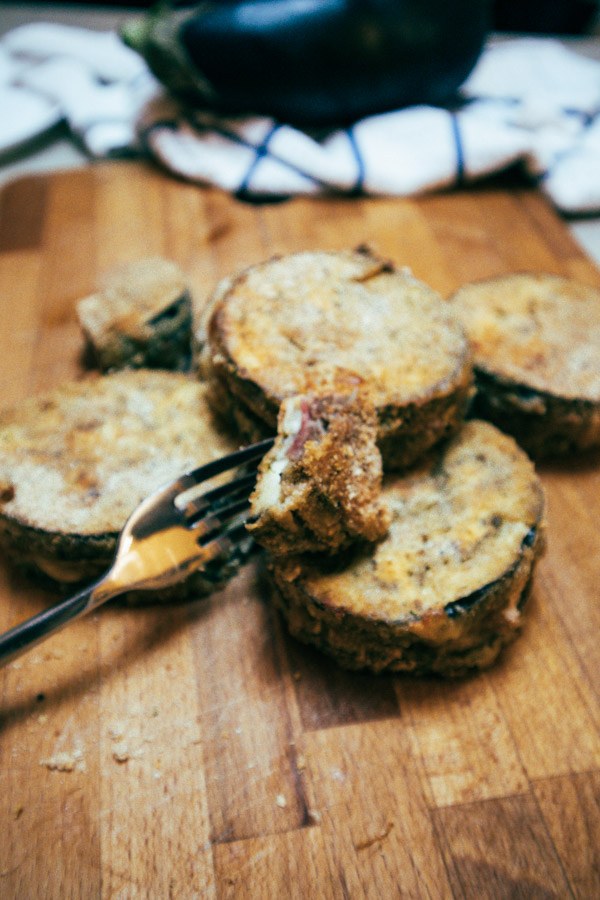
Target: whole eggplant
x: 313, y: 62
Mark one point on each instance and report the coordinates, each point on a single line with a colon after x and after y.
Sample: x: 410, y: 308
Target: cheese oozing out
x: 294, y: 432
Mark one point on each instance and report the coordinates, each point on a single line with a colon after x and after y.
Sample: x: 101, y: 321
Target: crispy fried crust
x: 291, y: 325
x: 76, y: 461
x: 445, y: 591
x: 141, y: 316
x: 536, y: 344
x: 319, y: 487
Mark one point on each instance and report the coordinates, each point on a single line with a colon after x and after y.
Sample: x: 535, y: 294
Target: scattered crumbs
x: 301, y: 763
x: 206, y: 845
x: 42, y: 718
x: 297, y: 676
x: 157, y: 774
x: 314, y: 816
x: 251, y: 765
x: 281, y: 801
x: 19, y: 810
x: 512, y: 615
x: 338, y: 775
x: 65, y: 761
x: 53, y: 654
x: 16, y: 665
x: 292, y: 572
x: 155, y: 712
x: 238, y: 730
x: 120, y: 752
x: 375, y: 840
x: 116, y: 730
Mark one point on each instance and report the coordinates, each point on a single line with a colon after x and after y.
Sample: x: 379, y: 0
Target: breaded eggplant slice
x: 140, y: 316
x: 318, y: 489
x: 290, y: 325
x: 536, y: 347
x: 75, y: 462
x: 445, y: 590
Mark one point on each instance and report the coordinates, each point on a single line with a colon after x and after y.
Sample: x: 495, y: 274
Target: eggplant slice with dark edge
x: 447, y: 588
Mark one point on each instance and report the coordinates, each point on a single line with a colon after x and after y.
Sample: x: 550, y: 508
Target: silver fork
x: 174, y: 532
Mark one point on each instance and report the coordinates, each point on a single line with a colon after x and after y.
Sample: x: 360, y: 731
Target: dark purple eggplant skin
x: 324, y: 62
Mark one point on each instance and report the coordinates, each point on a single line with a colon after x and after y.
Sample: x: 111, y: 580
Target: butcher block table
x: 196, y: 750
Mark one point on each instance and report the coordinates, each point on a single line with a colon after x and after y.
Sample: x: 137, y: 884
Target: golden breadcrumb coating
x: 536, y: 345
x: 77, y: 460
x: 319, y: 487
x: 141, y: 315
x: 444, y: 590
x: 288, y: 326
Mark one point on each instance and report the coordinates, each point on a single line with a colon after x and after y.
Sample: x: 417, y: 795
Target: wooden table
x: 211, y: 755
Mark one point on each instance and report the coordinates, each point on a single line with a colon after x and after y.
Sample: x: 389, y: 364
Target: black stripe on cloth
x: 259, y: 153
x: 360, y: 163
x: 236, y: 139
x: 459, y: 148
x: 144, y: 133
x: 571, y: 150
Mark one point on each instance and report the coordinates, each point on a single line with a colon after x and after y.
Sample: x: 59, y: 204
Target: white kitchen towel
x: 529, y: 101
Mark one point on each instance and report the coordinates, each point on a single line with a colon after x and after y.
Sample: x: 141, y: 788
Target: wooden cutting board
x: 212, y: 755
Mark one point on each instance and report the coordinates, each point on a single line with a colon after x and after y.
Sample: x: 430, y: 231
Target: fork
x: 175, y: 531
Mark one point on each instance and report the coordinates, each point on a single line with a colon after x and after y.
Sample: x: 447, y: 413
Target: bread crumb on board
x: 65, y: 761
x: 120, y: 751
x: 121, y: 748
x: 370, y: 842
x: 281, y: 801
x: 117, y: 730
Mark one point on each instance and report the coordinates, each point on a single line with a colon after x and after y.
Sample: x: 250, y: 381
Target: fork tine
x: 215, y: 521
x: 214, y: 499
x: 251, y: 453
x: 229, y: 542
x: 213, y: 529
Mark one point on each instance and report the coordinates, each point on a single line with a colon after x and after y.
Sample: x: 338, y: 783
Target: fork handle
x: 33, y: 631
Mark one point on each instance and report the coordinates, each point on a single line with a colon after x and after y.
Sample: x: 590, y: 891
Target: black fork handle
x: 33, y: 631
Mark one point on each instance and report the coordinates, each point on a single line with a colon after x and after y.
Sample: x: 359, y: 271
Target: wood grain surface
x: 212, y: 755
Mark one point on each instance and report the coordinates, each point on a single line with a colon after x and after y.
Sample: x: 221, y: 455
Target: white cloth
x: 529, y: 101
